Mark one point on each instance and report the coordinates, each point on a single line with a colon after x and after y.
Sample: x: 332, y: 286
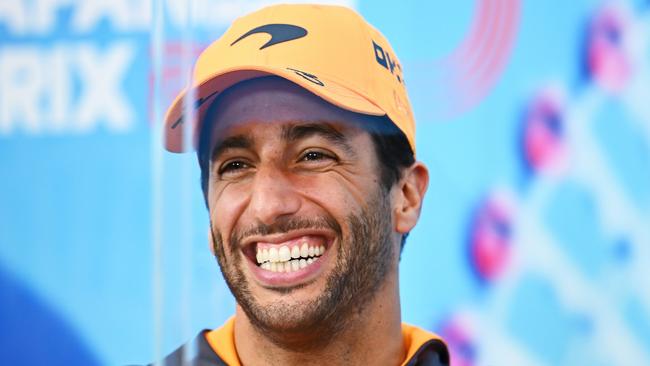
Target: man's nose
x: 274, y: 195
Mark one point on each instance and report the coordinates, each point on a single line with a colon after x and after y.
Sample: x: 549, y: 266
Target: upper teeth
x: 285, y: 253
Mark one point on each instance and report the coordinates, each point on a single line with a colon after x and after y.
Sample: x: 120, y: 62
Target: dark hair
x: 393, y: 151
x: 392, y: 148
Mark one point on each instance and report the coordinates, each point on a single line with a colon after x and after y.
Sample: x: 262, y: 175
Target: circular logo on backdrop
x: 544, y: 135
x: 608, y: 55
x: 490, y: 243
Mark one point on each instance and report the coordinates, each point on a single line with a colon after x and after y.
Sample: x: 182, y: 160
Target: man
x: 306, y: 144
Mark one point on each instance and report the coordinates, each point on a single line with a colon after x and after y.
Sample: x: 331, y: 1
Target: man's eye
x: 315, y: 156
x: 232, y: 167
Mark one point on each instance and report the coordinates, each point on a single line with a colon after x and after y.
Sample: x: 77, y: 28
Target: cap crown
x: 329, y: 50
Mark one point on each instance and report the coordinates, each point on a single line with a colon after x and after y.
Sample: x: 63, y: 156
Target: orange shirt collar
x: 222, y: 342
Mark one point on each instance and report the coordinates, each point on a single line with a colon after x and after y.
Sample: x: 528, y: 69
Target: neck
x: 372, y: 336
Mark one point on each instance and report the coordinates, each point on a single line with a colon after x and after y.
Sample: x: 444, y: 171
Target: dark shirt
x: 216, y: 348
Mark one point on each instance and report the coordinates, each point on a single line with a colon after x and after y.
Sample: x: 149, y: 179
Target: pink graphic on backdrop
x: 490, y: 243
x: 457, y: 333
x: 544, y: 140
x: 475, y: 66
x: 608, y: 55
x: 177, y: 59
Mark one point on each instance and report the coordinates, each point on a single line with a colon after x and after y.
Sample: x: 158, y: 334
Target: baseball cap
x: 329, y: 50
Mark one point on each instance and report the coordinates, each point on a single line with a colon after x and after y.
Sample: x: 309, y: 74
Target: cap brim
x: 321, y: 85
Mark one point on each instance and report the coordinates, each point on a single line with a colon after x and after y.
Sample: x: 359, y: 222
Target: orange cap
x: 329, y: 50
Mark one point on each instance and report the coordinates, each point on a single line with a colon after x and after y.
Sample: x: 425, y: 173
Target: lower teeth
x: 289, y: 266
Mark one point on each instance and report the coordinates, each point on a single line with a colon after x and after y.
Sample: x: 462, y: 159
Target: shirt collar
x: 422, y: 347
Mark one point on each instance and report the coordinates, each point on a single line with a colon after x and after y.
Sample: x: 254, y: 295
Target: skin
x: 329, y: 188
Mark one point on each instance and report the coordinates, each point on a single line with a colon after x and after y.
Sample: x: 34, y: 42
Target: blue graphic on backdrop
x: 33, y: 333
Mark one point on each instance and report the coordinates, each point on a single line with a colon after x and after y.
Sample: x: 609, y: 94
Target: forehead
x: 260, y: 105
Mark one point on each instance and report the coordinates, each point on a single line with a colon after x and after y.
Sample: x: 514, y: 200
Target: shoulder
x: 423, y: 347
x: 197, y: 352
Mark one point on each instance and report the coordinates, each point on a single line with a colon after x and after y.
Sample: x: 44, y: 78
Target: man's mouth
x: 290, y: 257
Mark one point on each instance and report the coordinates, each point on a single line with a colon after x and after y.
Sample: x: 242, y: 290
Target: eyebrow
x: 232, y: 142
x: 323, y: 129
x: 290, y: 134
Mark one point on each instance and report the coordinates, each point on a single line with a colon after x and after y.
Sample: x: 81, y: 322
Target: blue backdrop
x: 534, y: 118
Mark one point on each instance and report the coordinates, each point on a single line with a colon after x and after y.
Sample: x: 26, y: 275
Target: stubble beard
x: 364, y: 259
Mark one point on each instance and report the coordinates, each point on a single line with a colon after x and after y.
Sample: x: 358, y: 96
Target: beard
x: 364, y: 258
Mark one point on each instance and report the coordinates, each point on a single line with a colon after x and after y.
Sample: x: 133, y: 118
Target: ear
x: 409, y: 195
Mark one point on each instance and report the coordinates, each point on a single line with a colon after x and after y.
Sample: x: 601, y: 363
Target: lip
x: 282, y: 237
x: 283, y: 279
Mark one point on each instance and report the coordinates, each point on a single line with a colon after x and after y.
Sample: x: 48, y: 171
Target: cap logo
x: 279, y: 33
x: 199, y: 102
x: 389, y: 63
x: 307, y: 76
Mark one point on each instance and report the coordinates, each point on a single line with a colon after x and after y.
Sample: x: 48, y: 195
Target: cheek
x: 226, y: 205
x: 334, y: 193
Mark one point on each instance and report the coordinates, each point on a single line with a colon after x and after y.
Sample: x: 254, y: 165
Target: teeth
x: 288, y: 266
x: 304, y: 250
x: 284, y: 253
x: 295, y: 252
x: 273, y: 255
x: 288, y: 260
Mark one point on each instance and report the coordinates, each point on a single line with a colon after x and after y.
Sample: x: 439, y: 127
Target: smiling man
x: 306, y: 145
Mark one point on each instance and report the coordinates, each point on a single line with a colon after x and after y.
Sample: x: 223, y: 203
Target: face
x: 301, y: 227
